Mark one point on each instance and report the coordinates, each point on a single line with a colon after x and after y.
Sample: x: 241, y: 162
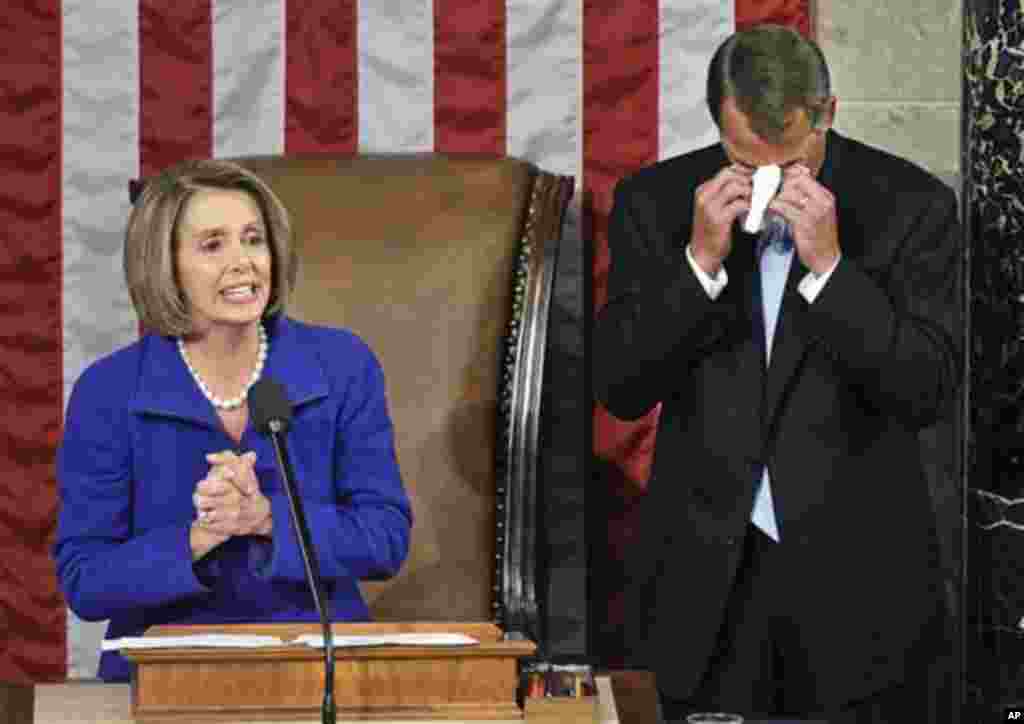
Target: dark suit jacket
x: 853, y: 378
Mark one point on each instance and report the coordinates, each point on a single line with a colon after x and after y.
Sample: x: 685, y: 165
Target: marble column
x: 994, y: 218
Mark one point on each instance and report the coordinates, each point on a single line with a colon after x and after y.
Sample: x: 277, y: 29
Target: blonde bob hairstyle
x: 152, y: 236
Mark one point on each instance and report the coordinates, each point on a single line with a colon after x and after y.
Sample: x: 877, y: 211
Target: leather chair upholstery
x: 445, y: 266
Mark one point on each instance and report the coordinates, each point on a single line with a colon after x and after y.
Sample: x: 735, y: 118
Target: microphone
x: 271, y: 414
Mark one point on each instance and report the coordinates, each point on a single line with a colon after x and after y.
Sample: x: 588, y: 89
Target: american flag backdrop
x: 96, y: 92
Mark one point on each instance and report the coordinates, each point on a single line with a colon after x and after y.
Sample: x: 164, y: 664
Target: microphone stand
x: 328, y: 712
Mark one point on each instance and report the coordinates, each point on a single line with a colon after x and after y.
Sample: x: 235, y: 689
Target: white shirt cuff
x: 812, y: 284
x: 713, y: 285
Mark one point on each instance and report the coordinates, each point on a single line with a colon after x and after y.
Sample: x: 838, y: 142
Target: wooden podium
x: 286, y: 682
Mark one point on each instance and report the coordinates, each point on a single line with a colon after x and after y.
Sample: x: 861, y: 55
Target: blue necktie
x: 776, y: 255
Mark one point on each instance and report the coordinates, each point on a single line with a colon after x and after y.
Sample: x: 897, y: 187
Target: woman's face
x: 223, y: 259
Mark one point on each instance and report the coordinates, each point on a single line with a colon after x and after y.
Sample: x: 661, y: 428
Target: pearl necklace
x: 234, y: 402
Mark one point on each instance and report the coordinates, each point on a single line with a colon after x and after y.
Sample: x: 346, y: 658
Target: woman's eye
x: 256, y: 239
x: 210, y: 245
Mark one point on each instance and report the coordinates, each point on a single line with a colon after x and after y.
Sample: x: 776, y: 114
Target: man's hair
x: 769, y: 70
x: 151, y: 240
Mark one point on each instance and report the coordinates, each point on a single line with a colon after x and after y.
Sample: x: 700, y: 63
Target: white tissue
x: 766, y: 183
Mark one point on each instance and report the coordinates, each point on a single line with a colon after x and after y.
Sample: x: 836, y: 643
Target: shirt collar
x: 777, y: 239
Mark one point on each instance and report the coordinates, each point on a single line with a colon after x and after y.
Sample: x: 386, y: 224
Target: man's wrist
x: 824, y: 265
x: 713, y: 285
x: 710, y: 265
x: 812, y: 284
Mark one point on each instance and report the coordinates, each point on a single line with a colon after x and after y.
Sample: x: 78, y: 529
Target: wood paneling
x: 286, y: 682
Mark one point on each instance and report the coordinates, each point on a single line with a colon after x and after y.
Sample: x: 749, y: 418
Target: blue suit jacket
x: 135, y: 439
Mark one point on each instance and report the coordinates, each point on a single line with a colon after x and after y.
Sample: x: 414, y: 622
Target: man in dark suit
x: 788, y: 561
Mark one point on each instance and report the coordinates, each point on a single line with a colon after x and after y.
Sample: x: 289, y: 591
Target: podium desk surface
x: 93, y: 702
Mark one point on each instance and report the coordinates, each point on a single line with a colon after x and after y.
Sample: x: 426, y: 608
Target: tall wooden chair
x: 445, y: 266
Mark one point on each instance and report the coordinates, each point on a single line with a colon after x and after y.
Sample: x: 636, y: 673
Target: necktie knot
x: 778, y: 240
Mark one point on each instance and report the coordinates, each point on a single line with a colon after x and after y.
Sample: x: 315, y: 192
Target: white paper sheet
x: 400, y: 639
x: 229, y: 641
x: 314, y: 640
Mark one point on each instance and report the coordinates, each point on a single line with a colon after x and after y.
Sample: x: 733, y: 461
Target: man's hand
x: 810, y: 209
x: 229, y: 500
x: 717, y: 203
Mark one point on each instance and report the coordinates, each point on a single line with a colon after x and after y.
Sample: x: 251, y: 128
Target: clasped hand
x: 809, y: 207
x: 228, y: 500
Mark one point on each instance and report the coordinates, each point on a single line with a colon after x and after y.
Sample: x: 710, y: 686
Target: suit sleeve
x: 364, y: 532
x: 895, y: 335
x: 103, y: 569
x: 658, y: 319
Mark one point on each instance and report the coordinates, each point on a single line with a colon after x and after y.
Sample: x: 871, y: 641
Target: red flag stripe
x: 620, y: 134
x: 794, y: 13
x: 32, y: 612
x: 176, y: 79
x: 469, y: 76
x: 321, y: 87
x: 620, y: 98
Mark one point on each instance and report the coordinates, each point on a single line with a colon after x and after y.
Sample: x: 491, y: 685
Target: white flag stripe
x: 100, y: 128
x: 248, y: 77
x: 689, y: 32
x: 396, y: 75
x: 544, y: 114
x: 545, y: 84
x: 101, y: 154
